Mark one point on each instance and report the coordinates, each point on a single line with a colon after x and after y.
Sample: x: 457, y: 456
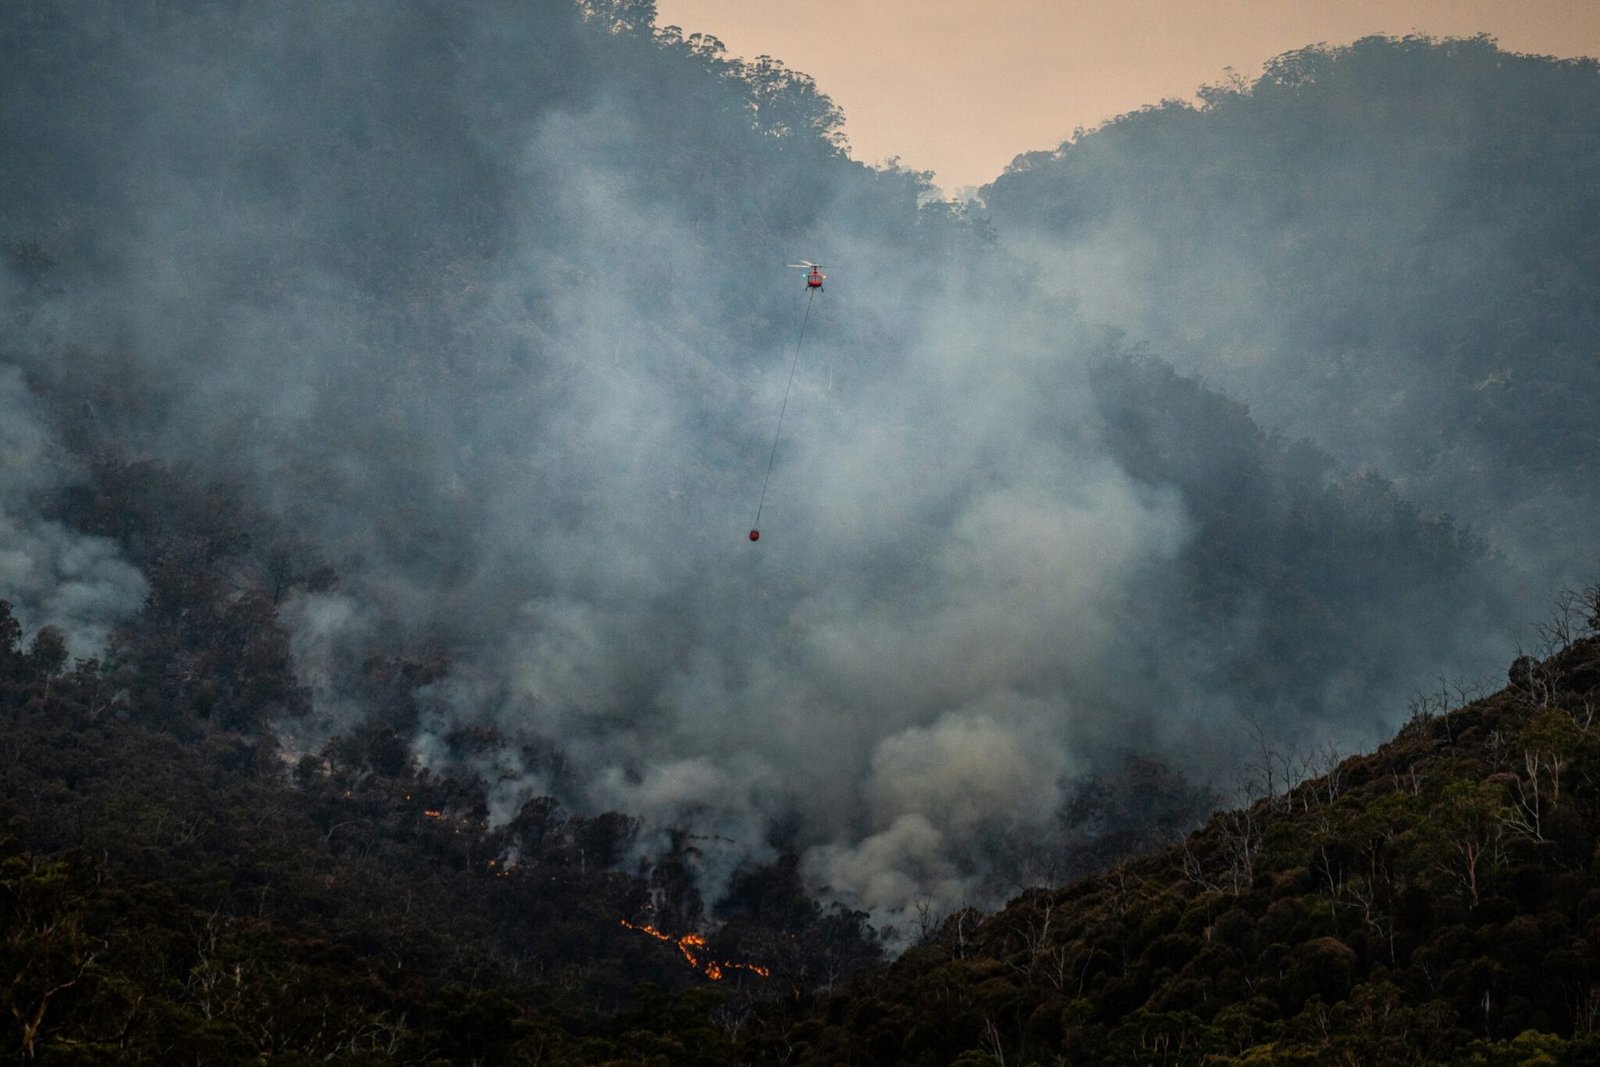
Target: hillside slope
x: 174, y: 891
x: 193, y: 896
x: 1389, y: 247
x: 1433, y: 902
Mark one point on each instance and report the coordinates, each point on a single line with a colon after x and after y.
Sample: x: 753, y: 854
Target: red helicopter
x: 815, y: 279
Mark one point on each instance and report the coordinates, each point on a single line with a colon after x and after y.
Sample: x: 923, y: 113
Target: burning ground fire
x: 689, y: 945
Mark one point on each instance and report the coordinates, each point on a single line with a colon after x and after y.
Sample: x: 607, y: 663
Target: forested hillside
x: 183, y: 897
x: 1433, y: 902
x: 171, y: 896
x: 384, y: 406
x: 1387, y: 247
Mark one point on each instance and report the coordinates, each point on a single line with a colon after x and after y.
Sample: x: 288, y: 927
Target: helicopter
x: 815, y: 279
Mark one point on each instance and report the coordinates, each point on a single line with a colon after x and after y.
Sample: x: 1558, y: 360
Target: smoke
x: 1408, y: 286
x: 52, y: 575
x: 491, y: 306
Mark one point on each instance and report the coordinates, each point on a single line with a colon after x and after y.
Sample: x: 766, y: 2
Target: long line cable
x: 756, y: 526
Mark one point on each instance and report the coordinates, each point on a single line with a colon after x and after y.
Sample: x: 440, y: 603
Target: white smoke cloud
x: 52, y: 575
x: 538, y: 455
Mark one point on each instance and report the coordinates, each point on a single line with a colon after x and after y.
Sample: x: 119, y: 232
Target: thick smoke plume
x: 489, y: 304
x: 52, y: 575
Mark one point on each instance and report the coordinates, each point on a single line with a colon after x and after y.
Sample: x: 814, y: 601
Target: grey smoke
x: 1386, y: 247
x: 52, y: 575
x: 521, y: 394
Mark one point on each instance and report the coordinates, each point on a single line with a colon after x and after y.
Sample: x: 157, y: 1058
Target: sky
x: 961, y: 87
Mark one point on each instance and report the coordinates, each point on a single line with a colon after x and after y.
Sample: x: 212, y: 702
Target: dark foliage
x: 173, y: 891
x: 1429, y: 903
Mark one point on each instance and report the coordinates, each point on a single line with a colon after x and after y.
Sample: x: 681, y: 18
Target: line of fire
x: 689, y: 945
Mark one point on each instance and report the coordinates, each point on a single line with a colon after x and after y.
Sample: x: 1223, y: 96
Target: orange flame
x: 689, y: 944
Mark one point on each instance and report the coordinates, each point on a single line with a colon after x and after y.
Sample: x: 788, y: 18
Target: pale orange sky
x: 960, y: 87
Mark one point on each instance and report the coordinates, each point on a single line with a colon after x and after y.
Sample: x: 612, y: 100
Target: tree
x: 47, y: 653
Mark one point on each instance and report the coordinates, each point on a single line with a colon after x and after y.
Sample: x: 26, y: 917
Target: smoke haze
x: 489, y: 306
x: 52, y: 575
x: 1384, y: 248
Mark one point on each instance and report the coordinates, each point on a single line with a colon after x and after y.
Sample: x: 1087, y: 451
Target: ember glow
x: 692, y: 947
